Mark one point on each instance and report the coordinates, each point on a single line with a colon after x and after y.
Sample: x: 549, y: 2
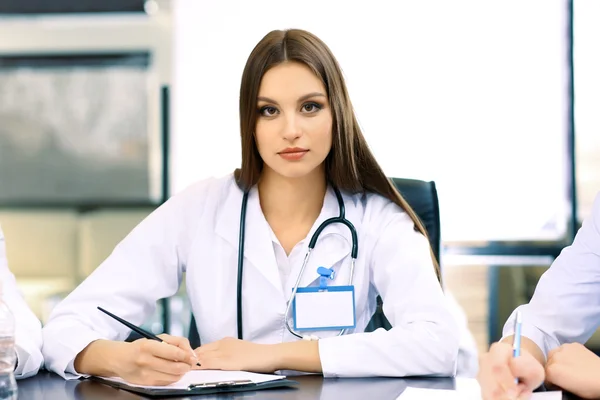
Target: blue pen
x: 517, y: 338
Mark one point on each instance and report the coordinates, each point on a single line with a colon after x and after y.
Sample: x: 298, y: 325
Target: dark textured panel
x: 69, y: 6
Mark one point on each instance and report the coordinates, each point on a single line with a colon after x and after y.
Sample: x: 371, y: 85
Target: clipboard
x: 197, y: 389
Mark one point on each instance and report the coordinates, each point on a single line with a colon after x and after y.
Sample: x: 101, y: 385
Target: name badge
x: 317, y: 308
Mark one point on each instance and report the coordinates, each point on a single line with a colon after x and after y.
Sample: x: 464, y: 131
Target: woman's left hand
x: 237, y: 355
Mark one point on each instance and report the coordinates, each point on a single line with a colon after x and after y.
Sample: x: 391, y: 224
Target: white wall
x: 470, y: 94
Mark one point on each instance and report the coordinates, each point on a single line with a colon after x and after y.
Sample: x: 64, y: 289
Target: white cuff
x: 62, y: 357
x: 529, y: 330
x: 22, y: 358
x: 27, y: 364
x: 329, y: 361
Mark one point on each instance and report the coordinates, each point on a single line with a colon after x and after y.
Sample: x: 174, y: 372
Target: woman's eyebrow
x: 309, y: 95
x: 300, y: 99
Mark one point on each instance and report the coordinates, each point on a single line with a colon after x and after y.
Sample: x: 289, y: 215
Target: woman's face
x: 294, y: 123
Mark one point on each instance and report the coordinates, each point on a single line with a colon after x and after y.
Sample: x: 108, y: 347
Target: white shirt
x: 197, y: 231
x: 28, y: 329
x: 566, y: 304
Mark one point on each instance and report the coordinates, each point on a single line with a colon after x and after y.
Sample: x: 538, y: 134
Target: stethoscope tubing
x: 313, y: 241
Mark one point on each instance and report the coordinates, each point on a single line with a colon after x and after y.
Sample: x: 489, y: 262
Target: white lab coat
x: 197, y: 231
x: 467, y: 365
x: 565, y: 307
x: 28, y: 329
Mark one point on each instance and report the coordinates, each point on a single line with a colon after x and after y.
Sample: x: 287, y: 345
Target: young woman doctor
x: 300, y: 142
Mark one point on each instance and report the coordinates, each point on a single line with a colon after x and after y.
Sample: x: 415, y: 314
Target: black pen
x: 137, y: 329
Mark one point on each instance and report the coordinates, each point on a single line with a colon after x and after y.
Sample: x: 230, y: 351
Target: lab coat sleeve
x: 565, y: 306
x: 425, y: 336
x: 28, y: 329
x: 144, y: 267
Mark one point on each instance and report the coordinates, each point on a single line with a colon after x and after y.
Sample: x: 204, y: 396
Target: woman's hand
x: 157, y: 363
x: 574, y: 368
x: 237, y: 355
x: 142, y: 362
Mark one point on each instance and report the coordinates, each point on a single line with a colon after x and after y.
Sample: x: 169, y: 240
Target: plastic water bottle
x: 8, y: 356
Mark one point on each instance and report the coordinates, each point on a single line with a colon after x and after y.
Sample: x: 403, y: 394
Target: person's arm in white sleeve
x: 424, y: 338
x: 144, y: 267
x: 28, y: 329
x: 565, y: 307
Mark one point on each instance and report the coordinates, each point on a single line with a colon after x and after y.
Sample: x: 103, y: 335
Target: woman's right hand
x: 154, y: 363
x: 142, y: 362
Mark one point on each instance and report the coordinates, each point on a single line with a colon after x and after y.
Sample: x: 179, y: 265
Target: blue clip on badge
x: 326, y: 273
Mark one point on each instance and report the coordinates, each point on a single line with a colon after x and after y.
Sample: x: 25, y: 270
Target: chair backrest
x: 423, y: 199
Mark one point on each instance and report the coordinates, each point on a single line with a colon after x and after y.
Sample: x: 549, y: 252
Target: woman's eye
x: 268, y: 111
x: 311, y: 107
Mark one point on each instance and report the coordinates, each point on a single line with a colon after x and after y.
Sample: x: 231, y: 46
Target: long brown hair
x: 350, y: 165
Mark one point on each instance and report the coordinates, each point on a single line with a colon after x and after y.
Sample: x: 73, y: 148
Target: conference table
x: 49, y: 386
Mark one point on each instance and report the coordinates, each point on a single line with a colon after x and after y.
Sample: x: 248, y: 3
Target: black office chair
x: 422, y: 197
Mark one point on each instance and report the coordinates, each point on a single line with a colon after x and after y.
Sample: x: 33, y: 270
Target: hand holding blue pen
x: 511, y: 370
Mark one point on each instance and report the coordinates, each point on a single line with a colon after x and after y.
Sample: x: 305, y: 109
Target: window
x: 75, y: 129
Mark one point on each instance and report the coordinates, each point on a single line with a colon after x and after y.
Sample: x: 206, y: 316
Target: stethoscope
x: 340, y: 219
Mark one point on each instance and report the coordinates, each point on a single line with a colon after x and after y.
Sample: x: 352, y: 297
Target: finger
x: 553, y: 352
x: 212, y: 359
x: 493, y: 391
x: 182, y: 343
x: 552, y: 368
x: 212, y: 363
x: 525, y: 395
x: 206, y: 348
x: 490, y: 387
x: 555, y: 373
x: 154, y: 378
x: 500, y: 357
x: 173, y: 368
x: 197, y: 366
x: 165, y: 350
x: 523, y: 391
x: 207, y: 355
x: 528, y: 370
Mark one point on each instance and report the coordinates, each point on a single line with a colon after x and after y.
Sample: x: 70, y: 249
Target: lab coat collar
x: 258, y: 247
x: 334, y: 242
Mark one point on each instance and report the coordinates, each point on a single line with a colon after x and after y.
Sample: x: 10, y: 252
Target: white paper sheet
x: 206, y: 376
x: 466, y: 389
